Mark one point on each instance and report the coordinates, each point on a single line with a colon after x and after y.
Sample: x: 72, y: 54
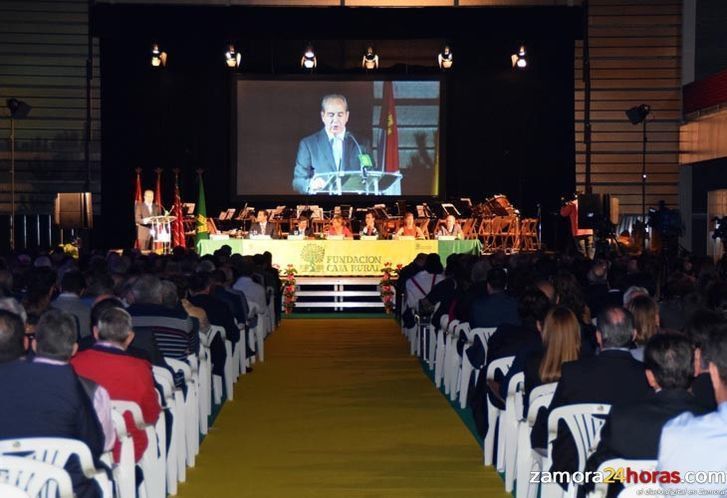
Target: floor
x: 339, y: 409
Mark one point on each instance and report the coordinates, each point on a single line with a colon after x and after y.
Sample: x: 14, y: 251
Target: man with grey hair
x: 44, y: 397
x: 124, y: 376
x: 329, y: 150
x: 612, y: 377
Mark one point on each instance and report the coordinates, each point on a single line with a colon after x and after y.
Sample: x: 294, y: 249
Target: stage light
x: 309, y: 61
x: 518, y: 60
x: 370, y: 60
x: 445, y: 59
x: 158, y: 58
x: 637, y: 114
x: 232, y: 57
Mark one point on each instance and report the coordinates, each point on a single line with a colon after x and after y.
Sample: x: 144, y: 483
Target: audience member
x: 69, y: 300
x: 125, y: 377
x: 13, y: 341
x: 646, y: 321
x: 497, y: 307
x: 44, y: 397
x: 611, y: 377
x: 698, y: 329
x: 632, y: 431
x: 697, y: 443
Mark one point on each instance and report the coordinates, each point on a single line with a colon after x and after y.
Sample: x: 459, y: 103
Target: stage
x: 322, y: 258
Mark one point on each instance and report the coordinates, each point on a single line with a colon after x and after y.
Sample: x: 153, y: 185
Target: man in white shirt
x: 699, y: 443
x: 254, y: 292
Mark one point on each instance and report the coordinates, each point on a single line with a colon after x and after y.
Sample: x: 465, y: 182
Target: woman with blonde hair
x: 646, y: 322
x: 561, y: 343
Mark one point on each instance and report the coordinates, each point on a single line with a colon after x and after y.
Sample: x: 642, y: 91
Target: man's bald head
x: 616, y: 327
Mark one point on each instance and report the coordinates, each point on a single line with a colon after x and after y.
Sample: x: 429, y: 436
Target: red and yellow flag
x: 389, y: 141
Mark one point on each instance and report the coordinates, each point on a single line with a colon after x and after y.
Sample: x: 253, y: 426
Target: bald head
x: 615, y: 327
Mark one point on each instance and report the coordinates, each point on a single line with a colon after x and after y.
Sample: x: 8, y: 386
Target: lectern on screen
x: 311, y: 137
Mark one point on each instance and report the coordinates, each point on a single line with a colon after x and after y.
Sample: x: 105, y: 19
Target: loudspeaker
x: 593, y: 209
x: 73, y: 210
x: 590, y: 210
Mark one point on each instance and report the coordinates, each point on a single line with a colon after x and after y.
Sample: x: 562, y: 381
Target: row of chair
x: 34, y: 466
x: 456, y: 354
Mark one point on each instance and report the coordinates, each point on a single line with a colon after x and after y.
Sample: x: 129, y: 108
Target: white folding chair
x: 25, y: 477
x: 170, y: 396
x: 258, y: 331
x: 468, y: 369
x: 201, y: 365
x: 440, y: 350
x: 229, y: 366
x: 501, y: 365
x: 152, y: 463
x: 56, y: 451
x: 270, y: 295
x: 462, y: 334
x: 8, y: 491
x: 450, y: 356
x: 513, y: 414
x: 584, y: 422
x: 191, y: 409
x: 124, y: 470
x: 527, y: 460
x: 600, y: 490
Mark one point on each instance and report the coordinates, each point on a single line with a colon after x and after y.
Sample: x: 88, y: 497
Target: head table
x: 342, y: 257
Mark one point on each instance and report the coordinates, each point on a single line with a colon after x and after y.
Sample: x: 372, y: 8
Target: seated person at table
x: 450, y: 229
x: 338, y: 228
x: 303, y: 228
x: 369, y: 229
x: 409, y: 229
x: 261, y: 225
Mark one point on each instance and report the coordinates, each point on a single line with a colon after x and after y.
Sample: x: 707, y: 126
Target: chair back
x: 584, y: 421
x: 601, y: 488
x: 540, y: 397
x: 51, y: 450
x: 8, y: 491
x: 501, y: 364
x: 515, y: 392
x: 33, y: 478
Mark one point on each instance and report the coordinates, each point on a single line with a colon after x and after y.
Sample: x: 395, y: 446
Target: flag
x: 389, y: 141
x: 137, y: 198
x: 158, y: 191
x: 201, y: 215
x: 178, y: 239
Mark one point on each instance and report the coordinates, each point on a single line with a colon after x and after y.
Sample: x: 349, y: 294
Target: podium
x: 162, y: 232
x: 364, y: 182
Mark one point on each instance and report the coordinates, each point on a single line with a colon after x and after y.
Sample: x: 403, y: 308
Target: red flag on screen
x: 178, y: 224
x: 389, y: 141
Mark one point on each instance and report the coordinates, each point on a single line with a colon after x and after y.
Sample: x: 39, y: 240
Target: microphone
x: 364, y: 160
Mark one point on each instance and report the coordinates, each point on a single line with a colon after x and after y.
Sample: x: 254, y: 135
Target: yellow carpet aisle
x: 339, y: 409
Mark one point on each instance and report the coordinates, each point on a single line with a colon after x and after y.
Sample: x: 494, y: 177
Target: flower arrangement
x: 289, y: 288
x: 386, y: 285
x: 70, y: 249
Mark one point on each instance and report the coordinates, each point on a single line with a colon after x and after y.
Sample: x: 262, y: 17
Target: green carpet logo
x: 313, y: 255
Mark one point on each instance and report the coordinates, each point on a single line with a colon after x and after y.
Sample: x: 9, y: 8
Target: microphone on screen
x: 364, y: 160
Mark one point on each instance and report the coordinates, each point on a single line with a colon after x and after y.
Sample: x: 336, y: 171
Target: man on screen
x: 329, y: 150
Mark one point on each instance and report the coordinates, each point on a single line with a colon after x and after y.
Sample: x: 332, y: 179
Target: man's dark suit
x: 42, y: 400
x: 633, y: 431
x: 143, y: 234
x: 315, y: 155
x: 613, y: 377
x: 256, y: 228
x: 494, y: 310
